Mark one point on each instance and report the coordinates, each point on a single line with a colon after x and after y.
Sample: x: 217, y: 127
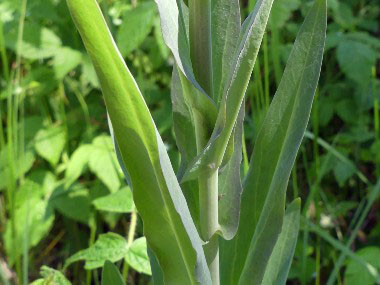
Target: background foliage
x: 62, y: 195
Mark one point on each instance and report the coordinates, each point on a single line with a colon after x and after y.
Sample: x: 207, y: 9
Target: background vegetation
x: 62, y: 194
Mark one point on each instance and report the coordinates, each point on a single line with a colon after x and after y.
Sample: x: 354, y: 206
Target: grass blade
x: 373, y: 195
x: 156, y: 191
x: 344, y: 249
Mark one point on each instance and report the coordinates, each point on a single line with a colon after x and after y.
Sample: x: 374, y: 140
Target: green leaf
x: 356, y: 60
x: 66, y: 201
x: 77, y: 163
x: 51, y: 277
x: 111, y: 274
x: 118, y: 202
x: 156, y: 192
x: 346, y: 251
x: 157, y: 273
x: 103, y: 162
x: 226, y: 26
x: 101, y: 159
x: 230, y: 187
x: 277, y: 144
x: 186, y: 142
x: 137, y: 256
x: 355, y: 274
x: 38, y: 42
x: 281, y: 259
x: 32, y: 219
x: 233, y: 94
x: 281, y: 12
x: 50, y: 142
x: 136, y: 26
x: 65, y: 60
x: 109, y: 246
x: 22, y: 165
x: 174, y: 18
x: 175, y: 34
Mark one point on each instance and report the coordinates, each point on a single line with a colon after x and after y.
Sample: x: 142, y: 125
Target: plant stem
x: 131, y: 236
x: 201, y: 57
x: 3, y: 52
x: 200, y: 42
x: 92, y: 224
x: 208, y: 207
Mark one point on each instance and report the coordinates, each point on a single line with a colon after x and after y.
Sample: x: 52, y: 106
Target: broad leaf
x: 38, y: 42
x: 100, y: 157
x: 111, y: 274
x: 137, y: 24
x: 278, y: 141
x: 49, y: 143
x: 65, y: 60
x: 22, y: 165
x: 51, y: 276
x: 137, y: 256
x: 77, y: 163
x: 103, y: 162
x: 355, y: 274
x: 283, y: 252
x: 118, y: 202
x: 157, y: 194
x: 109, y: 246
x: 32, y: 219
x: 66, y: 201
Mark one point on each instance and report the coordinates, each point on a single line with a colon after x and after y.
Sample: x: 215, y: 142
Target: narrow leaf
x: 225, y: 27
x: 233, y: 94
x: 230, y: 187
x: 168, y: 227
x: 282, y: 255
x: 174, y: 22
x: 276, y: 148
x: 185, y: 139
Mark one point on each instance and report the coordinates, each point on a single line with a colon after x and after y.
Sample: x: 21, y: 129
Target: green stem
x: 208, y: 204
x: 200, y: 42
x: 131, y: 237
x: 208, y: 208
x: 201, y: 57
x: 92, y: 224
x: 3, y: 52
x: 376, y: 117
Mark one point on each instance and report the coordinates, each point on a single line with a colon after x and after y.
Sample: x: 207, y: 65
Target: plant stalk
x: 208, y: 207
x: 201, y: 42
x: 201, y: 58
x: 131, y: 237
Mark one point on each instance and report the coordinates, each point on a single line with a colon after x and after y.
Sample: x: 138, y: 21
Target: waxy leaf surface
x: 168, y: 227
x: 278, y: 141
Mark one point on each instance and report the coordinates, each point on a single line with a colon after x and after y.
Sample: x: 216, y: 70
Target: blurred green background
x: 60, y: 183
